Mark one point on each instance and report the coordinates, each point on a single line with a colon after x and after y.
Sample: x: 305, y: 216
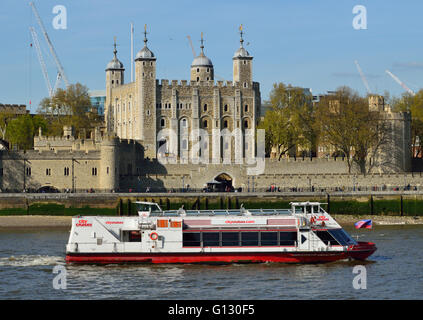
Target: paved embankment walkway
x: 11, y: 222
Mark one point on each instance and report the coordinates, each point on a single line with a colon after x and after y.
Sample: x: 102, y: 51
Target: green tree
x: 70, y: 106
x: 413, y: 104
x: 290, y: 120
x: 347, y: 124
x: 21, y: 130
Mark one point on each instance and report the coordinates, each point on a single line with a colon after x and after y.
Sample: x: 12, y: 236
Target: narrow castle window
x: 205, y: 124
x: 246, y: 108
x: 94, y: 171
x: 28, y: 171
x: 246, y: 124
x: 162, y: 122
x: 198, y: 69
x: 225, y: 108
x: 225, y: 124
x: 48, y: 172
x: 245, y: 84
x: 66, y: 171
x: 205, y: 107
x: 208, y: 70
x: 198, y: 78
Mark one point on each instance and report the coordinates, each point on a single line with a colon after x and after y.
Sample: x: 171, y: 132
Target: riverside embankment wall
x: 407, y: 203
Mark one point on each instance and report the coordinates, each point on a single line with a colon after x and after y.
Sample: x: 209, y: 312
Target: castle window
x: 208, y: 70
x: 184, y: 144
x: 225, y: 124
x: 225, y: 108
x: 162, y: 122
x: 246, y: 108
x: 198, y: 69
x: 151, y: 63
x: 107, y: 170
x: 94, y: 171
x: 184, y: 123
x: 66, y: 171
x: 117, y: 81
x: 205, y: 107
x: 246, y: 124
x: 207, y: 78
x: 28, y: 171
x: 48, y: 172
x: 198, y: 78
x: 151, y: 74
x: 148, y: 113
x: 143, y: 63
x: 245, y: 84
x: 245, y: 62
x: 205, y: 124
x: 113, y: 81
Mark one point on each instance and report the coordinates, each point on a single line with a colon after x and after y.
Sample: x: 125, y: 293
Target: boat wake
x: 31, y: 260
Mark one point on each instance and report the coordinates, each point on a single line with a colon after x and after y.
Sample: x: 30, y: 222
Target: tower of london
x: 173, y: 118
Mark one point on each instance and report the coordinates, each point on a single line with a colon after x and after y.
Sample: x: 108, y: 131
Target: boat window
x: 287, y: 238
x: 326, y: 237
x: 342, y: 237
x: 308, y: 209
x: 315, y: 209
x: 249, y: 238
x: 210, y: 239
x: 269, y: 238
x: 191, y: 239
x: 230, y: 239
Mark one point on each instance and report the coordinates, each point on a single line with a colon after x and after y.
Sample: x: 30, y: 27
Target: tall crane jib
x: 41, y: 60
x: 60, y: 70
x: 402, y: 84
x: 363, y: 77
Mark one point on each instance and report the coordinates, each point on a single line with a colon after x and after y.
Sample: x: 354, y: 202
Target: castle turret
x: 242, y: 65
x: 109, y: 165
x: 114, y: 77
x: 202, y: 67
x: 145, y: 77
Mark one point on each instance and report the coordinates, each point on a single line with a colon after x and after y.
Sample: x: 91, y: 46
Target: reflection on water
x: 27, y: 258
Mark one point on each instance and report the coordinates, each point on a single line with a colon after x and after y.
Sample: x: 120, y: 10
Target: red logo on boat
x: 322, y: 218
x: 83, y: 223
x: 114, y: 222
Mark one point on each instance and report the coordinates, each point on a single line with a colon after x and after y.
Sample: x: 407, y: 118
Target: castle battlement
x: 202, y: 83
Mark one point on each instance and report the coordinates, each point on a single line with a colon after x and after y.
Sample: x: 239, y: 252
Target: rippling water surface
x: 27, y: 259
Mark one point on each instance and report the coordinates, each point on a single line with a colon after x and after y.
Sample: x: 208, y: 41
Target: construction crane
x: 60, y: 70
x: 41, y: 60
x: 363, y: 78
x: 192, y: 47
x: 401, y: 83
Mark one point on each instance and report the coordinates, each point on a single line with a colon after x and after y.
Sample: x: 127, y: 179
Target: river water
x: 28, y: 257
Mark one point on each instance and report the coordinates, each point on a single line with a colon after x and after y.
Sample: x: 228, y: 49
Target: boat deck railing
x: 223, y: 212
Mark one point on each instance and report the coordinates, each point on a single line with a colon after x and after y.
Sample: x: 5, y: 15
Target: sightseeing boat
x: 305, y: 233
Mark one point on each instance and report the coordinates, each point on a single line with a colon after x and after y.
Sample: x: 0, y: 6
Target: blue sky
x: 306, y: 43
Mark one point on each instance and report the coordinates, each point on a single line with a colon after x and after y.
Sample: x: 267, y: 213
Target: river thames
x: 29, y: 256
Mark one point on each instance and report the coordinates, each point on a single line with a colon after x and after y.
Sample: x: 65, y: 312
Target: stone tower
x: 243, y: 65
x: 109, y: 164
x: 145, y: 78
x: 114, y: 78
x: 202, y: 67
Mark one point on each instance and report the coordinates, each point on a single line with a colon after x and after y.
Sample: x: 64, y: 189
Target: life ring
x: 323, y: 223
x: 154, y: 236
